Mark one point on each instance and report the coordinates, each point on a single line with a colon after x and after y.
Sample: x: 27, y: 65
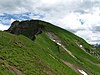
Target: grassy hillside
x: 54, y: 52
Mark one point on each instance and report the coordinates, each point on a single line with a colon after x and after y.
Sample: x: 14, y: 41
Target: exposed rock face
x: 28, y: 28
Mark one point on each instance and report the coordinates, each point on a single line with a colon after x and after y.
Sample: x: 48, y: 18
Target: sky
x: 81, y: 17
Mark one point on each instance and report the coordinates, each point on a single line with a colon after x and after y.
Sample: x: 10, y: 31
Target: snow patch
x: 82, y: 72
x: 81, y: 46
x: 58, y: 43
x: 54, y: 40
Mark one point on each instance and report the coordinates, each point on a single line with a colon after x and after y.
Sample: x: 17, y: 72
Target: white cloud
x: 3, y: 27
x: 88, y: 35
x: 49, y: 1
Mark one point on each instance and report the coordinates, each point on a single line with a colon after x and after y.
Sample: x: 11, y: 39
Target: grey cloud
x: 97, y: 28
x: 95, y: 41
x: 16, y: 5
x: 33, y: 5
x: 10, y: 4
x: 87, y: 5
x: 75, y: 30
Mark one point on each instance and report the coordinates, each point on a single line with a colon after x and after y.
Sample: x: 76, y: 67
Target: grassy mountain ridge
x: 55, y: 51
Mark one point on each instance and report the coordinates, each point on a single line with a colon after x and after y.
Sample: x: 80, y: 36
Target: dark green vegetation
x: 97, y: 46
x: 54, y: 51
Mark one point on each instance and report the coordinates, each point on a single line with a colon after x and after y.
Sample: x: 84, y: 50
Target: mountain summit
x: 35, y: 47
x: 28, y: 28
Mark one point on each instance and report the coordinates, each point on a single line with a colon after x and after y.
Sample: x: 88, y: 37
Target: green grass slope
x: 54, y: 52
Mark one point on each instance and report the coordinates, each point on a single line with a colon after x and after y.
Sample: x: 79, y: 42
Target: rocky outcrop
x: 28, y: 28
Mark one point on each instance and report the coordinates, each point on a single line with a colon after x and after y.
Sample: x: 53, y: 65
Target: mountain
x: 35, y: 47
x: 97, y: 46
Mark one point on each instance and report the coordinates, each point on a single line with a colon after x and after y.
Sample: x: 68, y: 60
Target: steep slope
x: 44, y: 49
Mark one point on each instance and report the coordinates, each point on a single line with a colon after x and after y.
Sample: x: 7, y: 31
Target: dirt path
x: 75, y: 68
x: 15, y: 70
x: 57, y: 40
x: 71, y: 66
x: 12, y: 69
x: 93, y: 62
